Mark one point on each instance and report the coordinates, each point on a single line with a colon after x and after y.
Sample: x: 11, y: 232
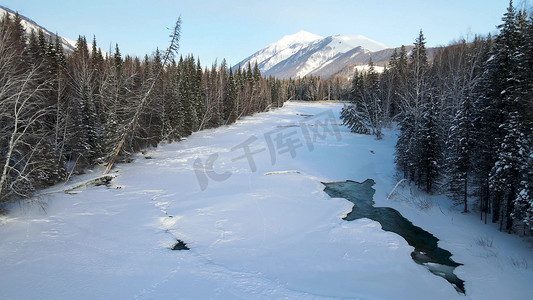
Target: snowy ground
x: 258, y: 225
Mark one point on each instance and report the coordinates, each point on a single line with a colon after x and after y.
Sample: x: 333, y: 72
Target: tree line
x: 61, y: 114
x: 315, y: 88
x: 465, y: 118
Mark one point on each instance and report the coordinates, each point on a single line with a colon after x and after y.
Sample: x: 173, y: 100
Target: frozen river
x: 248, y: 201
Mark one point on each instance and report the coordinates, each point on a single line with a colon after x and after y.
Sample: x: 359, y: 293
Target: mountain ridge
x: 277, y: 52
x: 68, y: 44
x: 305, y: 53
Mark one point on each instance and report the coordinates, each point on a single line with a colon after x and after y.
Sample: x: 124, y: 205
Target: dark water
x: 426, y: 252
x: 180, y: 245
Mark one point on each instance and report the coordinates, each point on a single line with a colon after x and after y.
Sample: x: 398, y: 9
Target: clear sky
x: 235, y: 29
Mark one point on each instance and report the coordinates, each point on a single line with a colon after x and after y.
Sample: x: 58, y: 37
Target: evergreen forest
x: 465, y: 119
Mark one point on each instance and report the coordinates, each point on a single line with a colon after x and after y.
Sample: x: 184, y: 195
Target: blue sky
x: 235, y: 29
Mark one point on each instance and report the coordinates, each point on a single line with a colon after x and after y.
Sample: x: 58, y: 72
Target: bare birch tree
x: 23, y: 133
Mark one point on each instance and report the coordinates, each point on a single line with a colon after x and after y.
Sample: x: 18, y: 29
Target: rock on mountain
x: 29, y: 25
x: 305, y: 53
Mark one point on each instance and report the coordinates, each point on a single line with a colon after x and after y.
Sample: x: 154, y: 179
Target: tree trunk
x: 466, y: 194
x: 168, y: 55
x: 496, y: 207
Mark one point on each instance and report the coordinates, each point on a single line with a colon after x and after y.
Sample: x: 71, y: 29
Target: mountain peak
x: 278, y: 51
x: 301, y: 37
x: 304, y: 36
x: 304, y: 53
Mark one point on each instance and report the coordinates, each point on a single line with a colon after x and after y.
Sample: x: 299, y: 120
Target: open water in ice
x: 426, y: 252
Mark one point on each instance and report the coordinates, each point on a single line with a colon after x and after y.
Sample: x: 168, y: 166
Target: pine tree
x: 523, y: 204
x: 199, y: 95
x: 175, y: 112
x: 230, y: 99
x: 414, y: 100
x: 51, y: 58
x: 457, y: 70
x: 117, y: 59
x: 505, y: 94
x: 256, y: 73
x: 113, y: 98
x: 430, y: 151
x: 213, y: 107
x: 42, y: 42
x: 509, y: 170
x: 405, y: 147
x: 366, y: 113
x: 81, y: 52
x: 393, y: 85
x: 486, y: 131
x: 18, y: 36
x: 33, y: 49
x: 84, y: 140
x: 60, y: 53
x: 186, y: 97
x: 460, y: 145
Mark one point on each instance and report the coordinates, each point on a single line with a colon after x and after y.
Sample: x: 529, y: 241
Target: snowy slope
x: 352, y: 41
x: 280, y: 50
x: 305, y: 53
x: 260, y: 229
x: 332, y: 47
x: 29, y: 25
x: 324, y: 53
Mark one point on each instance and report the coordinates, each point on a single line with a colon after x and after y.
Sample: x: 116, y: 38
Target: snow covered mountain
x: 29, y: 25
x: 281, y: 50
x: 305, y: 53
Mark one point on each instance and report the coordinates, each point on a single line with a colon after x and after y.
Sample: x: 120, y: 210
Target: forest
x: 63, y: 113
x: 465, y: 119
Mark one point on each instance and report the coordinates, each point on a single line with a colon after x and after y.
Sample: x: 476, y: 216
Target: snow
x: 378, y: 69
x: 29, y: 25
x: 338, y: 45
x: 281, y: 50
x: 268, y: 233
x: 364, y: 68
x: 322, y: 51
x: 359, y: 41
x: 301, y: 37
